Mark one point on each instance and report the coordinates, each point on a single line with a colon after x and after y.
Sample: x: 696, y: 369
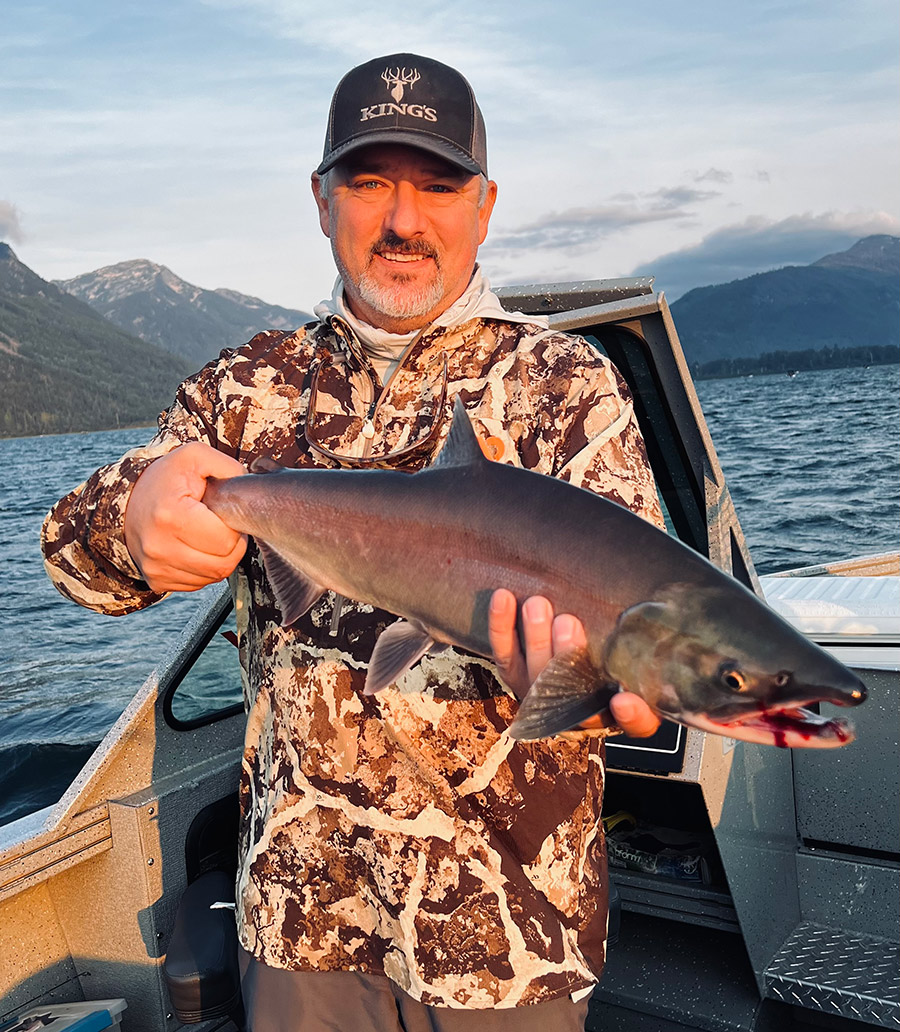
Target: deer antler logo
x: 398, y: 78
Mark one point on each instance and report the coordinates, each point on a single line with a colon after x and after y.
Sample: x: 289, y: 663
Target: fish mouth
x: 790, y: 727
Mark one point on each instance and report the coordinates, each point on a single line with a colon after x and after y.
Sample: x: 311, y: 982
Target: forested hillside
x: 65, y: 368
x: 846, y: 305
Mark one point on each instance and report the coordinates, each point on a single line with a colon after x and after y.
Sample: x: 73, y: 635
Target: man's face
x: 405, y: 227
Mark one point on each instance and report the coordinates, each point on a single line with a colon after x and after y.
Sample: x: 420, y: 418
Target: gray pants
x: 346, y: 1001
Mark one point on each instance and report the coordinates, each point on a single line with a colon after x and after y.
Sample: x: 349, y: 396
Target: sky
x: 699, y: 141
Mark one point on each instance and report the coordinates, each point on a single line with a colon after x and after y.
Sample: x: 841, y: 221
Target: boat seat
x: 201, y: 966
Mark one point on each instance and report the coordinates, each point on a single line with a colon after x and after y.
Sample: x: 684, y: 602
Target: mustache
x: 392, y: 242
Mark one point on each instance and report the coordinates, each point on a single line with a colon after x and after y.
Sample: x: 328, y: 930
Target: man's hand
x: 545, y: 635
x: 177, y: 543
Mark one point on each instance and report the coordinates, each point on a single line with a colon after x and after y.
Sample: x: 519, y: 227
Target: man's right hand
x: 177, y: 543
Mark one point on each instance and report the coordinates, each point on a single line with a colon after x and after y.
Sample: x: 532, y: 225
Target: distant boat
x: 792, y: 373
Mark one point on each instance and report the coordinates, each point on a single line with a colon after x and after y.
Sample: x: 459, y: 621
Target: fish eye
x: 782, y: 679
x: 732, y: 677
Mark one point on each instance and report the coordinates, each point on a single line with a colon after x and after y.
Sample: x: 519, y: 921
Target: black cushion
x: 201, y: 966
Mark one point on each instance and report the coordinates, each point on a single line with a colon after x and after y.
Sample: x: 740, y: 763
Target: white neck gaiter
x: 384, y: 350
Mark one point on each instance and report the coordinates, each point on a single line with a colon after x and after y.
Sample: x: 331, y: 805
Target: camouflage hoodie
x: 404, y: 833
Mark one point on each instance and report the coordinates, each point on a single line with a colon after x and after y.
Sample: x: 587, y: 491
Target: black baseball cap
x: 405, y: 98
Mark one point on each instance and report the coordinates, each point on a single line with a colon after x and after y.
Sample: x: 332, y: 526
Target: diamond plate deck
x: 838, y: 972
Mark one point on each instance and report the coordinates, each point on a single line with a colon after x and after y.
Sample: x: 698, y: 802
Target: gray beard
x: 397, y: 303
x: 404, y: 304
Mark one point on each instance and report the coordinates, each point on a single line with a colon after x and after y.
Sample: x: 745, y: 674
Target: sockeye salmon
x: 432, y: 546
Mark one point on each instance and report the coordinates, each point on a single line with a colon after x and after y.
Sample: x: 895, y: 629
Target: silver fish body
x: 433, y: 546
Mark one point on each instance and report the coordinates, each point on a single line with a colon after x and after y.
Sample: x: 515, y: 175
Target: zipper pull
x: 368, y: 430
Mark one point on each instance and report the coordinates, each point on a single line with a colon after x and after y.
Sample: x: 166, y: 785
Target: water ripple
x: 811, y: 461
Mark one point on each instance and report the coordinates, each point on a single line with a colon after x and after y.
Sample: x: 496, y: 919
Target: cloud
x: 675, y: 196
x: 757, y: 245
x: 438, y: 29
x: 9, y: 223
x: 577, y: 228
x: 712, y: 175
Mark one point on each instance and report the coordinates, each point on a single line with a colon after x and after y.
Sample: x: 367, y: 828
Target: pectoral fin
x: 295, y: 593
x: 568, y: 690
x: 398, y: 648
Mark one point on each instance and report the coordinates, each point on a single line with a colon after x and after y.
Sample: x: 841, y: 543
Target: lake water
x: 811, y: 462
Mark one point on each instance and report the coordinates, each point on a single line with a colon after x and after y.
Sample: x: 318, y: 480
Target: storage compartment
x: 662, y: 852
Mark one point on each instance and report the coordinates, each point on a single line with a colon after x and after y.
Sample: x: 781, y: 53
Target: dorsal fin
x: 461, y: 447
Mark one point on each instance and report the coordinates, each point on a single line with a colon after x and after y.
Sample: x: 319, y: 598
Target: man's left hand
x: 546, y: 634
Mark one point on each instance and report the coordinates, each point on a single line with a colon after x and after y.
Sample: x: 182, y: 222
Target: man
x: 404, y: 864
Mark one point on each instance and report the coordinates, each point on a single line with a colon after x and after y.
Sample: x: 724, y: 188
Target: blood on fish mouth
x: 791, y: 725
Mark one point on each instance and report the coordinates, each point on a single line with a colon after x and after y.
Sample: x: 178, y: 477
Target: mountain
x: 65, y: 368
x: 876, y: 253
x: 152, y: 303
x: 842, y: 302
